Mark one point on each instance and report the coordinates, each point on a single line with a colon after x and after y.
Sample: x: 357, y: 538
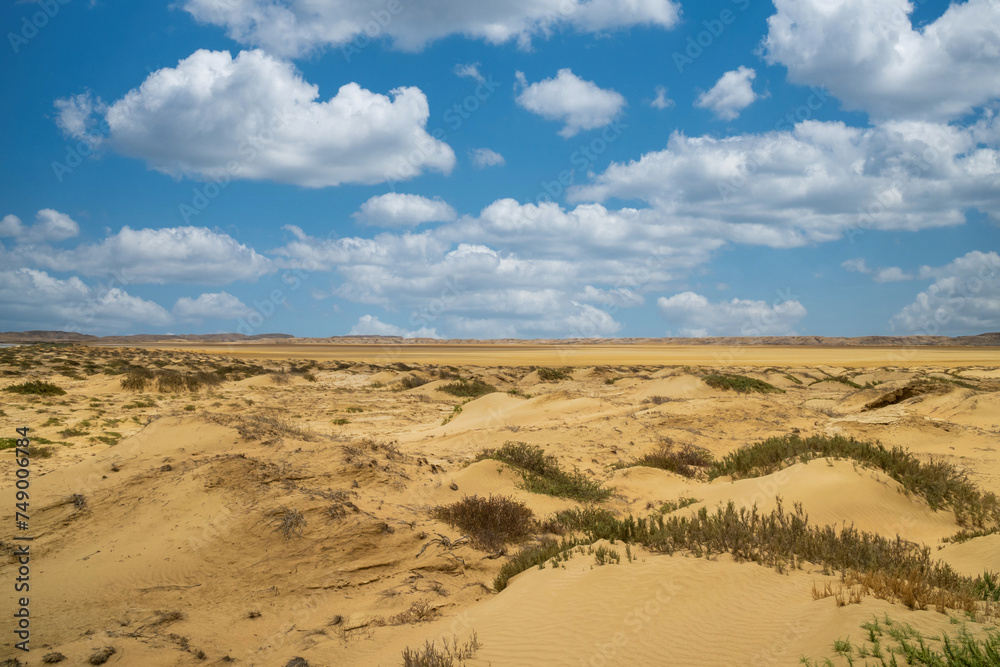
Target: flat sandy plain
x: 157, y: 516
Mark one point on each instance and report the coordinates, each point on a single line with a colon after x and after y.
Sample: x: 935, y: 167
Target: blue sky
x: 561, y: 168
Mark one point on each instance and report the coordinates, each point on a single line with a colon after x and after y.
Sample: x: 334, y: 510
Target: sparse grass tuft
x: 740, y: 384
x: 490, y: 522
x: 411, y: 382
x: 453, y: 655
x: 541, y: 473
x: 102, y: 655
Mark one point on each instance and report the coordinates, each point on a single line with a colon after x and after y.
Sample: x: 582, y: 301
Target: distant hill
x: 73, y: 337
x: 980, y: 340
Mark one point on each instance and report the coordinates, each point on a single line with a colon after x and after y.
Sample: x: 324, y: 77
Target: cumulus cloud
x: 732, y: 93
x: 297, y: 27
x: 254, y: 117
x: 160, y: 256
x: 469, y: 71
x: 580, y: 105
x: 816, y: 181
x: 891, y: 274
x: 964, y: 298
x: 858, y: 265
x: 32, y: 299
x: 210, y: 306
x: 661, y: 101
x: 868, y: 54
x: 484, y: 157
x: 370, y: 325
x: 402, y: 210
x: 694, y: 315
x: 50, y: 225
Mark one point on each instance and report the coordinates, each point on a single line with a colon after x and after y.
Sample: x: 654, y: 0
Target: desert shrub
x: 280, y: 378
x: 838, y: 378
x: 264, y: 427
x: 36, y: 387
x: 605, y: 556
x: 101, y: 655
x: 904, y: 571
x: 529, y: 557
x: 490, y: 522
x: 940, y: 483
x: 541, y: 472
x: 170, y: 381
x: 411, y: 382
x: 740, y: 384
x: 680, y: 503
x: 657, y: 400
x: 287, y: 521
x: 684, y: 461
x: 553, y: 374
x: 463, y: 388
x: 789, y: 376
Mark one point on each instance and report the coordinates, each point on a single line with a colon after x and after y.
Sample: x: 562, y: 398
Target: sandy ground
x: 172, y: 556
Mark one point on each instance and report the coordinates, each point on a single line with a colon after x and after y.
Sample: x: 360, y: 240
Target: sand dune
x: 258, y: 521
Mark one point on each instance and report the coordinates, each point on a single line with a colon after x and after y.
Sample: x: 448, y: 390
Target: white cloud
x: 891, y: 274
x: 661, y: 101
x: 858, y: 265
x: 732, y: 93
x: 964, y: 298
x: 31, y: 299
x: 171, y: 254
x: 76, y: 116
x: 581, y: 105
x: 484, y: 157
x: 867, y: 53
x: 297, y: 27
x: 210, y: 306
x: 816, y: 181
x: 370, y: 325
x: 402, y: 210
x: 694, y: 315
x: 50, y: 225
x: 470, y: 71
x: 254, y: 117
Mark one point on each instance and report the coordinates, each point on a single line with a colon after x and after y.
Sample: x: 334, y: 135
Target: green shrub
x: 553, y: 374
x: 940, y: 483
x: 683, y: 462
x: 473, y: 388
x: 740, y: 383
x: 541, y: 473
x: 36, y: 387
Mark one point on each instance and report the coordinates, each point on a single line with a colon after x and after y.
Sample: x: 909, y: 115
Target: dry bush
x: 418, y: 612
x: 542, y: 474
x: 101, y: 655
x: 490, y: 522
x: 280, y: 378
x: 287, y: 521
